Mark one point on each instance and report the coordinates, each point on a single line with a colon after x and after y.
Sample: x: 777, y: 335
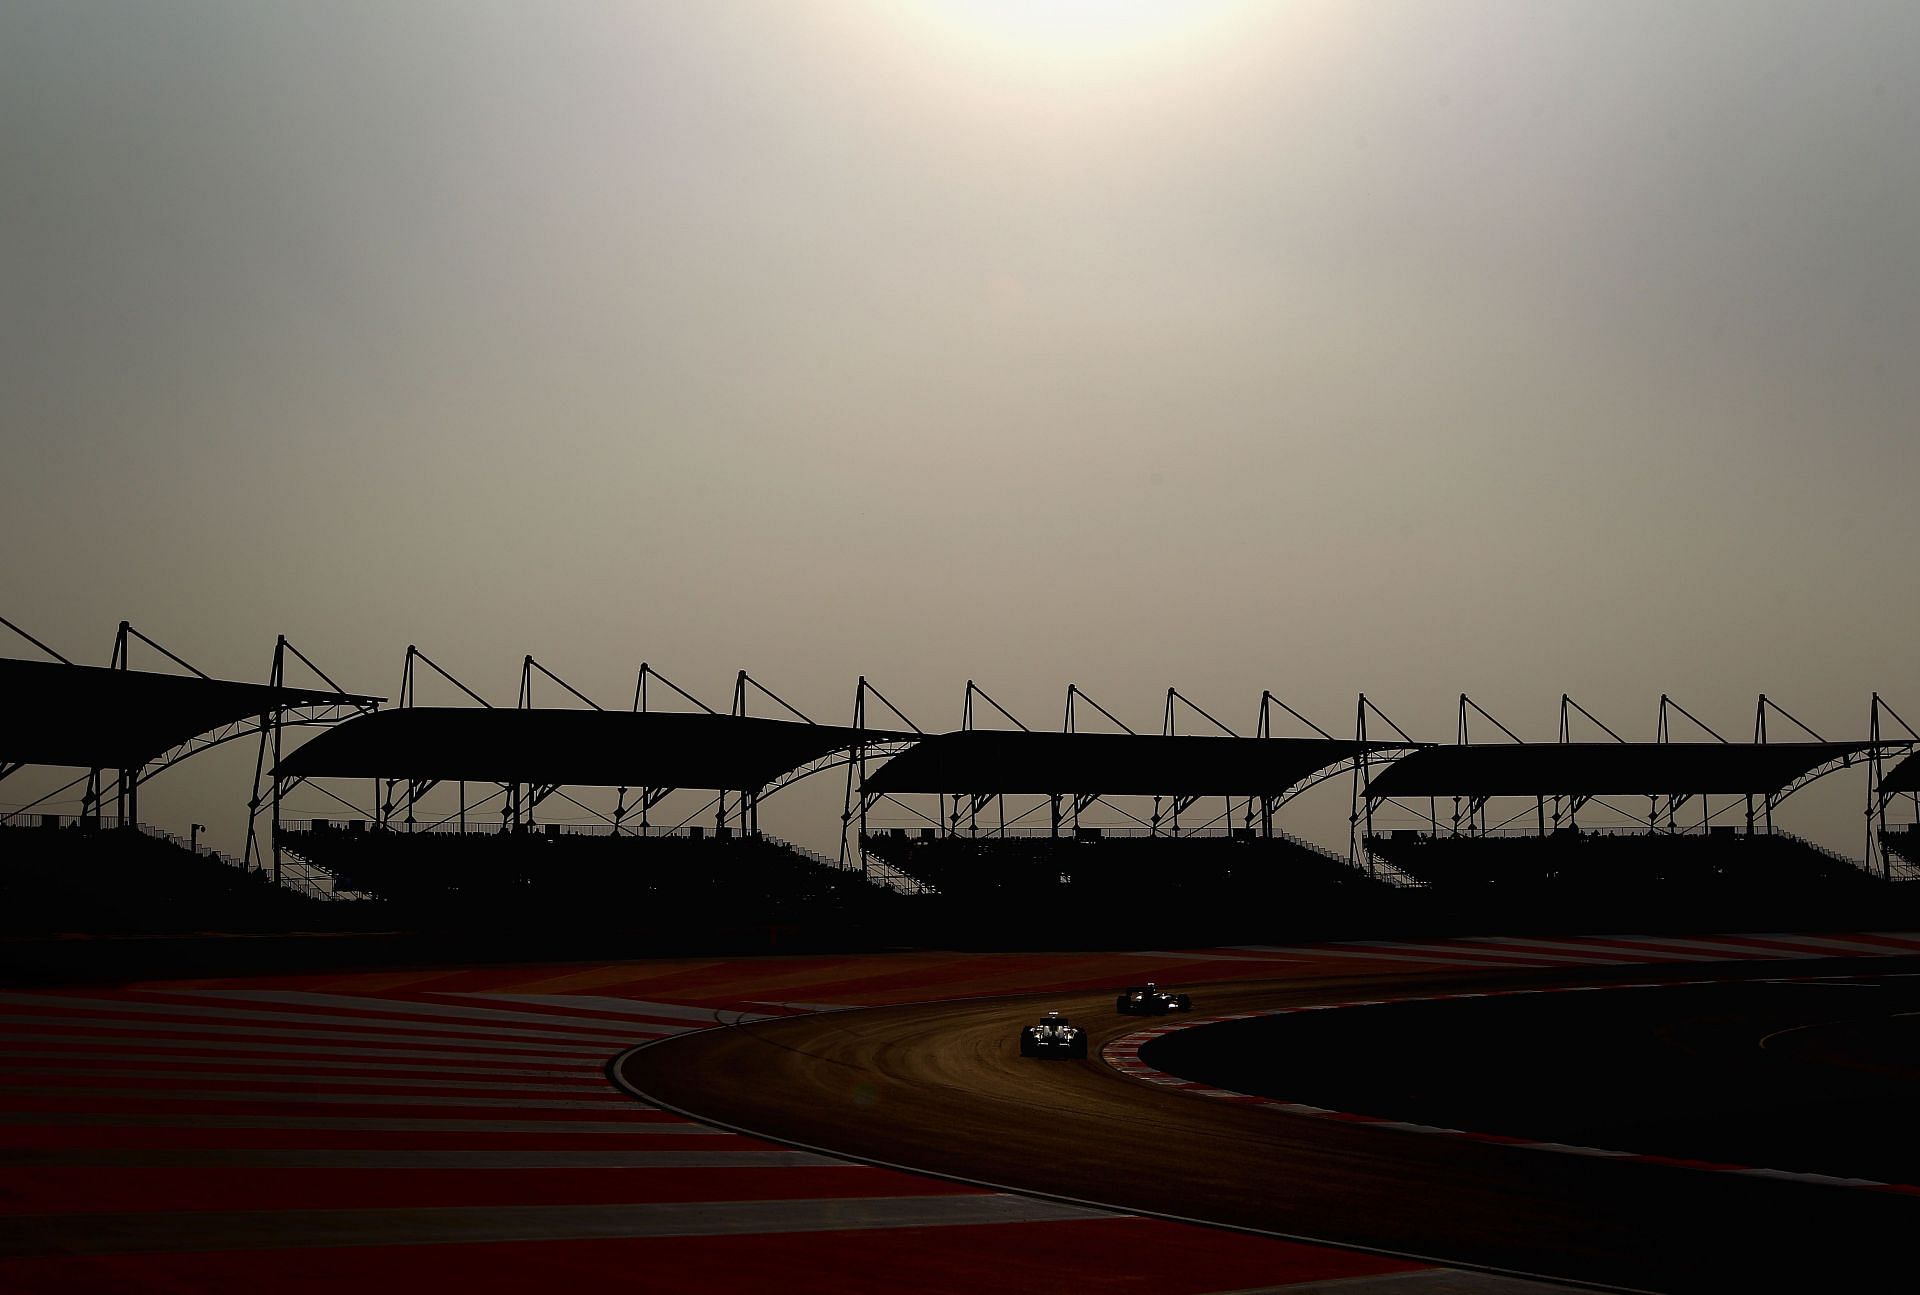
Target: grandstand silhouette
x: 660, y: 877
x: 625, y: 870
x: 1208, y: 845
x: 66, y: 874
x: 1510, y: 838
x: 1893, y: 796
x: 1002, y: 836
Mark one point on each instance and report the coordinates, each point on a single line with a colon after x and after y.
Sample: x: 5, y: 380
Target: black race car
x: 1053, y: 1037
x: 1150, y: 1000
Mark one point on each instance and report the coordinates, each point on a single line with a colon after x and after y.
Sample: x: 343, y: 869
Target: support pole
x: 1875, y: 846
x: 251, y: 855
x: 277, y: 781
x: 1357, y: 851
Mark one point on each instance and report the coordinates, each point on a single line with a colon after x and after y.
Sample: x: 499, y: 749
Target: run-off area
x: 1811, y: 1075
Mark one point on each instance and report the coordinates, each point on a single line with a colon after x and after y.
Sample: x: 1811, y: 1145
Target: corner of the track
x: 616, y: 1069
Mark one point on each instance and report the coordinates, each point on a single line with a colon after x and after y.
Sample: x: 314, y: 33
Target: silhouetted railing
x: 1900, y: 849
x: 79, y: 872
x: 1719, y: 861
x: 701, y: 870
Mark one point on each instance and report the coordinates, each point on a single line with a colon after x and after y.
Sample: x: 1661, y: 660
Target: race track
x: 451, y: 1125
x: 940, y: 1088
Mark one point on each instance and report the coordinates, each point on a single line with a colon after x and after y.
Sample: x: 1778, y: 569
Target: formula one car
x: 1053, y: 1037
x: 1150, y: 1000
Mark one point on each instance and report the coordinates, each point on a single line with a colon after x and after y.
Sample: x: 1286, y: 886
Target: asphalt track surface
x: 941, y: 1088
x: 1811, y: 1074
x: 452, y: 1127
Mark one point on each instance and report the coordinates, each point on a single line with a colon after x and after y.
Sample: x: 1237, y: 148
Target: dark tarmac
x: 941, y: 1088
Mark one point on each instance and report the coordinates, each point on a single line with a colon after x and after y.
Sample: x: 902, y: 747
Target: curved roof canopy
x: 579, y: 748
x: 1606, y: 769
x: 985, y: 761
x: 1903, y: 777
x: 93, y: 717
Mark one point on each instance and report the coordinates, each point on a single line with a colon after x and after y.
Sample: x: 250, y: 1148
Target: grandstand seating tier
x: 1615, y: 863
x: 750, y: 876
x: 126, y: 881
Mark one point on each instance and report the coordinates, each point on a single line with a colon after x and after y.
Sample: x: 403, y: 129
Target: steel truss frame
x: 519, y: 800
x: 272, y: 729
x: 9, y: 768
x: 1360, y: 817
x: 269, y: 725
x: 1064, y: 807
x: 1878, y: 799
x: 1772, y: 801
x: 126, y: 783
x: 1759, y: 808
x: 858, y: 800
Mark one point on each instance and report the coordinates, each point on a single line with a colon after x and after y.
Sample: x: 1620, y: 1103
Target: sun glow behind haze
x: 1087, y: 32
x: 1492, y: 346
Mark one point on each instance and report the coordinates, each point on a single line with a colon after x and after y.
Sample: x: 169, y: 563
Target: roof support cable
x: 12, y: 814
x: 1360, y: 814
x: 1664, y: 732
x: 120, y: 650
x: 1265, y: 728
x: 866, y: 687
x: 1760, y: 720
x: 308, y: 663
x: 1465, y: 702
x: 698, y: 813
x: 1074, y: 691
x: 1878, y: 797
x: 528, y: 666
x: 966, y: 710
x: 1166, y: 728
x: 640, y: 690
x: 740, y: 698
x: 853, y: 840
x: 36, y: 642
x: 1566, y: 735
x: 469, y: 808
x: 1567, y: 704
x: 406, y: 681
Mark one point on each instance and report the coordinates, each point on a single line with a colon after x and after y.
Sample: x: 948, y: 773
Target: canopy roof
x: 1606, y: 769
x: 93, y: 717
x: 985, y: 761
x: 1903, y: 777
x: 579, y: 748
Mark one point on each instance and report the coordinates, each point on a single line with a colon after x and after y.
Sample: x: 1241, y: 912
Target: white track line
x: 87, y: 1045
x: 1097, y: 1208
x: 601, y: 1003
x: 101, y: 1027
x: 575, y: 1025
x: 1123, y: 1055
x: 1310, y: 953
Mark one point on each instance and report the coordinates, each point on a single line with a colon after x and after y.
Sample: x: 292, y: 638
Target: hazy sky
x: 1417, y: 348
